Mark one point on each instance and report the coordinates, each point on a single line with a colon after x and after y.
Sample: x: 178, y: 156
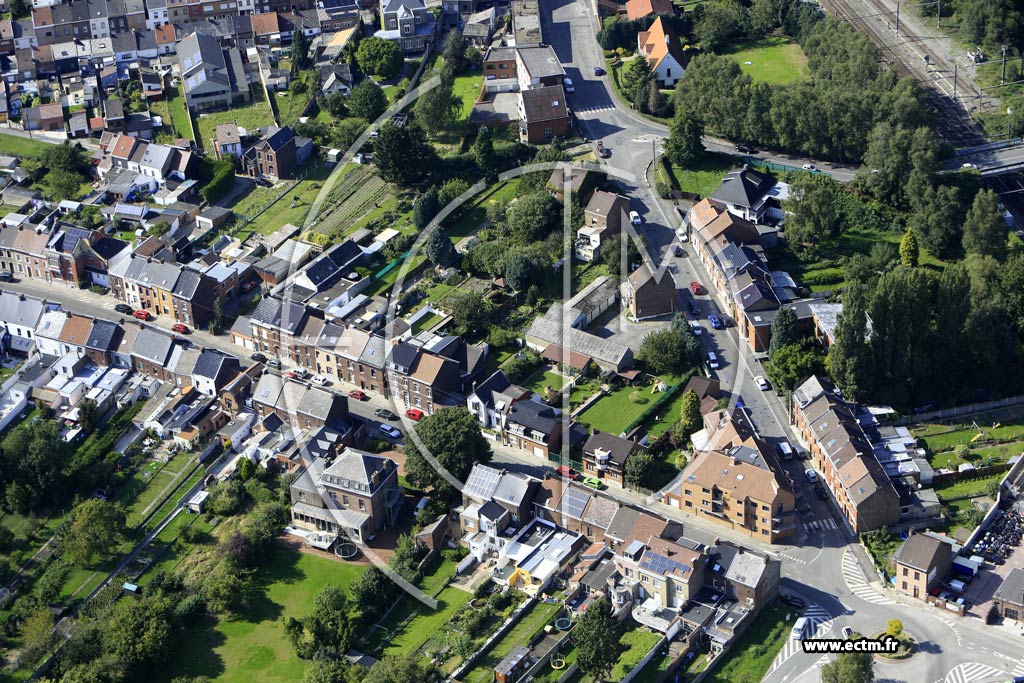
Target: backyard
x: 775, y: 59
x: 753, y: 653
x: 704, y: 177
x: 289, y: 104
x: 174, y: 113
x: 635, y: 643
x: 249, y: 116
x: 528, y: 626
x: 253, y: 647
x: 618, y: 410
x: 412, y: 624
x: 292, y: 208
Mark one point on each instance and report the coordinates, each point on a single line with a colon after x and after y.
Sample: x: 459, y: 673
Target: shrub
x: 221, y: 176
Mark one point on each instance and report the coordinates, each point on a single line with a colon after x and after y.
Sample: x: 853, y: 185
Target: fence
x: 961, y: 411
x: 1015, y: 474
x: 644, y: 662
x: 512, y: 620
x: 280, y: 195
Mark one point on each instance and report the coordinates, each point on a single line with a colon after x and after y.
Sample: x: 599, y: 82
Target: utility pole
x: 897, y: 19
x: 1002, y: 79
x: 938, y: 16
x: 956, y: 68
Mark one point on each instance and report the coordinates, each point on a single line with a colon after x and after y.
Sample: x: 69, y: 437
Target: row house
x: 213, y: 77
x: 735, y: 480
x: 495, y: 503
x: 605, y: 456
x: 274, y: 324
x: 420, y: 379
x: 408, y: 23
x: 491, y: 400
x: 603, y: 218
x: 60, y: 23
x: 843, y: 456
x: 306, y: 407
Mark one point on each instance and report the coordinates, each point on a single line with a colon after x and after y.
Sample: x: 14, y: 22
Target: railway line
x: 954, y: 93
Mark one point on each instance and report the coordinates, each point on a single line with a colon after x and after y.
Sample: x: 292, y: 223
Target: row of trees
x: 831, y: 115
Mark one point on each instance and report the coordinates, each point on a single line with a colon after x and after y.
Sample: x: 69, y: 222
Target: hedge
x: 221, y: 179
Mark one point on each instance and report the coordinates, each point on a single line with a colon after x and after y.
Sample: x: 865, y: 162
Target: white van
x: 785, y: 450
x: 798, y: 629
x: 712, y: 360
x: 569, y: 87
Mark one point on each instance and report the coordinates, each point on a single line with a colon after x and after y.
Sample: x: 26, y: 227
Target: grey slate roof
x: 104, y: 335
x: 19, y: 310
x: 152, y: 346
x: 744, y: 188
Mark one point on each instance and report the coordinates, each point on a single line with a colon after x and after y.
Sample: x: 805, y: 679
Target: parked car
x: 820, y: 492
x: 745, y: 149
x: 390, y: 432
x: 121, y: 308
x: 320, y: 380
x: 8, y: 276
x: 716, y: 322
x: 593, y: 482
x: 695, y: 326
x: 414, y: 414
x: 847, y: 632
x: 809, y: 167
x: 793, y: 600
x: 300, y: 373
x: 180, y: 328
x: 811, y: 475
x: 385, y: 414
x: 569, y: 87
x: 761, y: 383
x: 600, y: 150
x: 634, y: 218
x: 567, y: 472
x: 713, y: 361
x: 358, y: 395
x: 694, y: 308
x: 142, y: 314
x: 258, y: 357
x: 697, y: 288
x: 274, y: 363
x: 678, y: 251
x: 598, y: 71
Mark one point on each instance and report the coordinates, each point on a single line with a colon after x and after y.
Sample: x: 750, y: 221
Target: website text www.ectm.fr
x: 884, y: 645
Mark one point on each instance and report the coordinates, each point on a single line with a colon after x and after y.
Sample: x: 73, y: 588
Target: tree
x: 347, y: 131
x: 335, y: 104
x: 519, y: 272
x: 635, y: 79
x: 402, y: 669
x: 224, y: 588
x: 330, y: 671
x: 984, y: 228
x: 684, y: 146
x: 794, y: 363
x: 373, y: 592
x: 483, y: 150
x: 849, y: 356
x: 909, y: 251
x: 439, y: 250
x: 139, y: 632
x: 662, y: 351
x: 764, y: 16
x: 88, y: 415
x: 638, y: 468
x: 64, y: 157
x: 436, y: 107
x: 300, y: 50
x: 379, y: 57
x: 226, y: 498
x: 37, y: 635
x: 785, y: 330
x: 246, y: 469
x: 64, y: 184
x: 849, y: 667
x: 719, y: 21
x: 455, y: 51
x: 690, y: 418
x: 6, y: 539
x: 937, y: 219
x: 402, y: 154
x: 451, y: 190
x: 532, y: 217
x: 894, y: 628
x: 901, y: 336
x: 96, y: 530
x: 470, y: 312
x: 425, y: 208
x: 328, y: 627
x: 813, y: 208
x: 597, y: 640
x: 18, y: 9
x: 367, y: 101
x: 452, y: 437
x: 216, y: 324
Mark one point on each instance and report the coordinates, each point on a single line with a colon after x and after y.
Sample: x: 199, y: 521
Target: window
x: 689, y: 503
x: 362, y: 504
x: 344, y: 500
x: 904, y: 585
x: 905, y: 572
x: 917, y: 576
x: 668, y: 73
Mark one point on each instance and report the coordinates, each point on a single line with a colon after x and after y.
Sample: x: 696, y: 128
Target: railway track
x: 906, y: 54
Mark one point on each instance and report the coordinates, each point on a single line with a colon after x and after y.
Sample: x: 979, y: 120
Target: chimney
x: 739, y: 550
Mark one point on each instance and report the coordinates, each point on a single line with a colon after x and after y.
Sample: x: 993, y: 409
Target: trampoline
x: 346, y: 551
x: 563, y: 623
x: 557, y: 663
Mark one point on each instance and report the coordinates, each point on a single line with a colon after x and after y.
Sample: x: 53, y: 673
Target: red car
x: 141, y: 314
x: 180, y: 328
x: 357, y: 395
x: 567, y: 472
x: 697, y: 288
x: 414, y: 414
x: 248, y: 286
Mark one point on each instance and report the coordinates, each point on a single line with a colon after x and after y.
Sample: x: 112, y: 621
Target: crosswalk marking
x: 792, y: 558
x: 587, y: 110
x: 820, y: 621
x: 973, y: 671
x: 820, y: 525
x: 952, y: 625
x: 858, y: 585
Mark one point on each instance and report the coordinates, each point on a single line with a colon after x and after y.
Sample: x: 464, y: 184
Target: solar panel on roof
x: 659, y: 564
x: 130, y: 210
x: 575, y: 501
x: 482, y: 482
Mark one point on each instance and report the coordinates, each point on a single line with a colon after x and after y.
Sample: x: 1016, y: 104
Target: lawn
x: 24, y: 147
x: 542, y: 379
x: 966, y: 487
x: 986, y: 455
x: 753, y: 653
x: 636, y: 643
x: 289, y: 105
x: 533, y: 621
x: 703, y: 178
x: 619, y: 409
x: 253, y: 647
x: 939, y: 438
x: 285, y: 210
x: 412, y: 624
x: 466, y: 89
x: 249, y: 116
x: 178, y: 109
x: 775, y: 59
x: 427, y: 322
x: 476, y: 212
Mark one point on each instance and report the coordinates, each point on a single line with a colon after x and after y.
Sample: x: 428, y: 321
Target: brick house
x: 922, y: 563
x: 605, y: 456
x: 649, y: 294
x: 543, y: 114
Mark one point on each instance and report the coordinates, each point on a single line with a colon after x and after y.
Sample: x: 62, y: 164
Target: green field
x: 703, y: 178
x: 938, y: 438
x: 967, y: 487
x: 775, y: 60
x: 23, y: 147
x: 249, y: 116
x: 533, y: 621
x: 620, y: 408
x: 752, y: 654
x: 282, y: 211
x: 253, y: 647
x: 636, y: 643
x: 466, y: 89
x: 412, y: 624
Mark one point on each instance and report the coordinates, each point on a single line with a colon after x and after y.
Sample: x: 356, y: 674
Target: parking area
x: 980, y: 590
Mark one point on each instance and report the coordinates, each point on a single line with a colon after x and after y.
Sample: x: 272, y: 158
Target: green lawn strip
x: 427, y: 322
x: 776, y: 59
x: 540, y: 380
x: 77, y: 581
x: 986, y: 455
x: 966, y: 487
x: 550, y: 674
x: 704, y: 177
x: 290, y: 105
x: 141, y: 498
x: 614, y: 412
x: 282, y: 211
x: 249, y: 116
x: 24, y: 147
x: 398, y: 637
x: 636, y: 643
x: 170, y: 550
x: 471, y: 218
x: 655, y: 668
x: 173, y: 497
x: 533, y: 621
x: 437, y: 575
x: 466, y: 89
x: 253, y: 647
x: 938, y: 438
x: 752, y: 654
x: 178, y: 109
